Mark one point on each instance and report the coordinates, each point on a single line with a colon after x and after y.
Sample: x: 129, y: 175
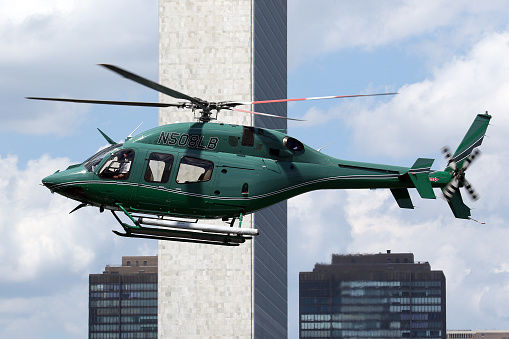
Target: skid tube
x: 174, y: 233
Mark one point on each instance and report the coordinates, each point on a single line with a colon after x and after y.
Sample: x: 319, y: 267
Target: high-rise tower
x: 123, y: 300
x: 226, y: 50
x: 385, y: 295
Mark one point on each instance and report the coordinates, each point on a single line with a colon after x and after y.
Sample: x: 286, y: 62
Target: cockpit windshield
x: 94, y: 160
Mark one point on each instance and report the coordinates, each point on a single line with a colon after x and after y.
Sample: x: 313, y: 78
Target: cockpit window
x: 158, y: 168
x: 293, y: 144
x: 194, y: 170
x: 91, y: 163
x: 118, y: 166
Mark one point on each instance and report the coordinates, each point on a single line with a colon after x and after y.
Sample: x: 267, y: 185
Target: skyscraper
x: 226, y: 50
x: 385, y: 295
x: 123, y: 300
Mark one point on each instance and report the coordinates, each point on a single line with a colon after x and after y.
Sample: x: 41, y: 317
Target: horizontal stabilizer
x: 402, y: 197
x: 422, y: 165
x: 419, y: 174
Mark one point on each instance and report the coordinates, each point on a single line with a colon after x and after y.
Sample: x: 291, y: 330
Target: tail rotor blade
x: 471, y: 190
x: 451, y: 188
x: 448, y: 157
x: 471, y: 158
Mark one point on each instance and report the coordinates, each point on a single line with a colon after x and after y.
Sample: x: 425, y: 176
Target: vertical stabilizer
x: 472, y: 139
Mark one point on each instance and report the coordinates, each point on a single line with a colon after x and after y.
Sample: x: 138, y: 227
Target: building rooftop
x: 134, y: 264
x: 374, y: 262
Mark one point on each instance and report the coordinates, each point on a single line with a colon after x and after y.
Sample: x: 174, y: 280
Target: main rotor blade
x: 312, y: 98
x: 265, y: 114
x: 150, y: 84
x: 109, y: 102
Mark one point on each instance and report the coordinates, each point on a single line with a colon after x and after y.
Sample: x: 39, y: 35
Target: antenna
x: 131, y: 135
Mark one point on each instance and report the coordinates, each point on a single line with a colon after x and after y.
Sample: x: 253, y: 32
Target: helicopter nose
x: 67, y: 182
x: 51, y: 180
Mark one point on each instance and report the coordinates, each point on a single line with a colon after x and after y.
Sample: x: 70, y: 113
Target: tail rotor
x: 458, y: 175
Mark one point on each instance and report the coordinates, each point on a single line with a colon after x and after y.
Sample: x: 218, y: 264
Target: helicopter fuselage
x: 213, y: 170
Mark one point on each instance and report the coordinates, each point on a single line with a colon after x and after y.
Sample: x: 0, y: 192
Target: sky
x: 447, y: 60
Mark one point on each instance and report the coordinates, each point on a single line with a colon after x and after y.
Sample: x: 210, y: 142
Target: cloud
x: 442, y: 28
x: 435, y: 112
x: 316, y: 216
x: 37, y: 317
x: 48, y: 253
x: 51, y: 48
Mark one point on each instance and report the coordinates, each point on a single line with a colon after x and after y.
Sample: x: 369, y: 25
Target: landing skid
x: 182, y: 232
x: 181, y: 236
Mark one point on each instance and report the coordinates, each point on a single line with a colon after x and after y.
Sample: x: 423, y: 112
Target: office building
x: 385, y: 295
x: 123, y: 300
x: 220, y: 51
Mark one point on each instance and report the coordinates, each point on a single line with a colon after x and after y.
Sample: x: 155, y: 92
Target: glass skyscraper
x: 385, y: 295
x: 123, y: 300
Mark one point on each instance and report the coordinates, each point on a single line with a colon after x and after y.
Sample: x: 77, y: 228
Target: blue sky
x: 447, y: 60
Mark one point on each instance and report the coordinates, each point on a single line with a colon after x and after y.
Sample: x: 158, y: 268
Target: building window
x: 128, y: 263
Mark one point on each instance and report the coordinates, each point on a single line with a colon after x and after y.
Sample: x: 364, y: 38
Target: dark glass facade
x: 372, y: 296
x: 123, y: 301
x: 270, y: 247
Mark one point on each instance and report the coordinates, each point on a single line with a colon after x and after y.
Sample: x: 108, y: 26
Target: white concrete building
x: 225, y: 50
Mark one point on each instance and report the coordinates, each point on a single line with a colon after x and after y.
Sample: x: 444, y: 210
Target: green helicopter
x: 166, y: 176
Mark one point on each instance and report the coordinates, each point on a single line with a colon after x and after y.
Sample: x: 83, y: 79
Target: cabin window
x: 194, y: 170
x: 118, y: 166
x: 158, y: 168
x: 92, y: 162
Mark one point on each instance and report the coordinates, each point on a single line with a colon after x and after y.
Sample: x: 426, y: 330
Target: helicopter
x: 168, y: 179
